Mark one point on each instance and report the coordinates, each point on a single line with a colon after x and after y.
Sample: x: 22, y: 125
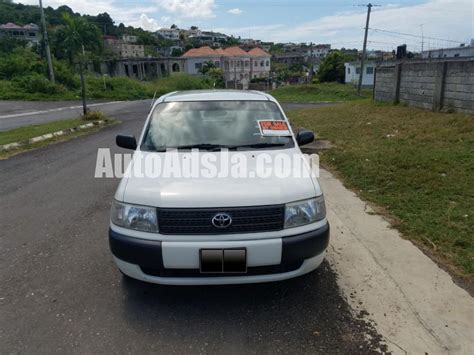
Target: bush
x: 94, y: 116
x: 19, y: 62
x: 65, y: 75
x: 180, y: 82
x: 117, y: 88
x: 36, y: 86
x: 37, y: 83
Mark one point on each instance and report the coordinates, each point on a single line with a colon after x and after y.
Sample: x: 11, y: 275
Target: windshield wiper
x: 208, y: 146
x: 257, y: 145
x: 205, y: 146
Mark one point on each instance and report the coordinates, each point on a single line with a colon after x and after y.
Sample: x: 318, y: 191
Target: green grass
x: 24, y: 133
x: 417, y: 165
x: 27, y: 132
x: 115, y: 88
x: 318, y: 92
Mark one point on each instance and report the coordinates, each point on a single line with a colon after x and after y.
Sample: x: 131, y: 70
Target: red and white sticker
x: 273, y: 128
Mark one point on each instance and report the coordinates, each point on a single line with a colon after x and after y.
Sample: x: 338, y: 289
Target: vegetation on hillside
x: 414, y: 163
x: 25, y: 14
x: 23, y: 75
x: 76, y: 42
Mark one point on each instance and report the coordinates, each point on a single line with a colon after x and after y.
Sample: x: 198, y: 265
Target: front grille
x: 199, y: 220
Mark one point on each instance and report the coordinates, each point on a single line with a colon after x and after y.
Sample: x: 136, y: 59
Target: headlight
x: 140, y: 218
x: 304, y: 212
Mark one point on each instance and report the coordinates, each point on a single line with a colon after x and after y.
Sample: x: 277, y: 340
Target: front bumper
x: 269, y: 259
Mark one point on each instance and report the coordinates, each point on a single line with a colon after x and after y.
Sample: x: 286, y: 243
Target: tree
x: 76, y: 36
x: 206, y: 66
x: 332, y: 67
x: 176, y: 52
x: 8, y: 44
x: 217, y: 77
x: 106, y: 24
x: 215, y: 74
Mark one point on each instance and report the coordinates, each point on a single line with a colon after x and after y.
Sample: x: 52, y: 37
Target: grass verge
x: 318, y: 92
x: 24, y: 133
x: 110, y: 88
x: 27, y: 132
x: 417, y: 165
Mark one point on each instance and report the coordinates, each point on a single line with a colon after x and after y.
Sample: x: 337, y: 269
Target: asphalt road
x: 15, y: 114
x: 61, y: 293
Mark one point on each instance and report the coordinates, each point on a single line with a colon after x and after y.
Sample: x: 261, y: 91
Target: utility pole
x: 364, y: 48
x: 311, y: 67
x: 422, y: 38
x: 46, y: 44
x: 83, y: 83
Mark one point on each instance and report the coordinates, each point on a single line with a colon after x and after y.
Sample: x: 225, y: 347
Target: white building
x: 29, y: 33
x: 319, y: 51
x: 192, y: 32
x: 461, y: 51
x: 237, y: 65
x: 210, y: 38
x: 353, y: 72
x: 169, y: 33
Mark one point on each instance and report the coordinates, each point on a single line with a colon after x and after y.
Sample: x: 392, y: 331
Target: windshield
x: 212, y: 124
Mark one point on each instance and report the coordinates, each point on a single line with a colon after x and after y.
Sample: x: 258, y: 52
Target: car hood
x: 176, y: 192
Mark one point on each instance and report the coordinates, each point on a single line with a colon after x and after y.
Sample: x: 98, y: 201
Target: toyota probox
x: 224, y: 229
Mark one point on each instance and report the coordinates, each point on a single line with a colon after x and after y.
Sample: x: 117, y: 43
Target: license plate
x: 223, y: 260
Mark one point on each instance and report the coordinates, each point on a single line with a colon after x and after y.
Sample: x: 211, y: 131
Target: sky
x: 443, y: 23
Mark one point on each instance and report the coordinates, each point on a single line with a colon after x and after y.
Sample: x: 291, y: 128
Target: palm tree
x: 75, y: 37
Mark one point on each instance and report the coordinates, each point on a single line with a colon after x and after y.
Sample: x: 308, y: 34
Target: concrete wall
x: 436, y: 85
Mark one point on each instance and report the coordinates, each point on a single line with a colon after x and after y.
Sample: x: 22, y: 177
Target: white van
x: 223, y: 229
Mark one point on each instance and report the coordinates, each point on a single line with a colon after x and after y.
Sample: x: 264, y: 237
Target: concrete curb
x: 14, y: 145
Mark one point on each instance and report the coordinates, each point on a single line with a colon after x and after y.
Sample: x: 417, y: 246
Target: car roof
x: 216, y: 95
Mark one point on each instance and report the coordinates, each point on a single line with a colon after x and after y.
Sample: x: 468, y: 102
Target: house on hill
x: 238, y: 65
x: 29, y: 33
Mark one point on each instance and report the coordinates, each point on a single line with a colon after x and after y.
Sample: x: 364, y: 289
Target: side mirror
x: 304, y: 136
x: 127, y: 142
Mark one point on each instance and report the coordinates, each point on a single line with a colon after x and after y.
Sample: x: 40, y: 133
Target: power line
x: 412, y: 35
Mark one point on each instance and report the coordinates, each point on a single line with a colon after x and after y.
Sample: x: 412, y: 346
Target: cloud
x: 446, y: 19
x: 235, y: 11
x: 91, y: 7
x: 188, y: 8
x: 149, y: 24
x: 129, y: 16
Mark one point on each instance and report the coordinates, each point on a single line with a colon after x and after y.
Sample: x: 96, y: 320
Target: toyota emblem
x: 221, y: 220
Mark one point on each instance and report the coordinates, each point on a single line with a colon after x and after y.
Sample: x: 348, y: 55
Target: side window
x: 357, y: 70
x: 267, y: 63
x: 197, y: 66
x: 348, y: 70
x: 369, y: 70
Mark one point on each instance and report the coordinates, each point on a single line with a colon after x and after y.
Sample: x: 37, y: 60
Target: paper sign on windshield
x: 273, y: 128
